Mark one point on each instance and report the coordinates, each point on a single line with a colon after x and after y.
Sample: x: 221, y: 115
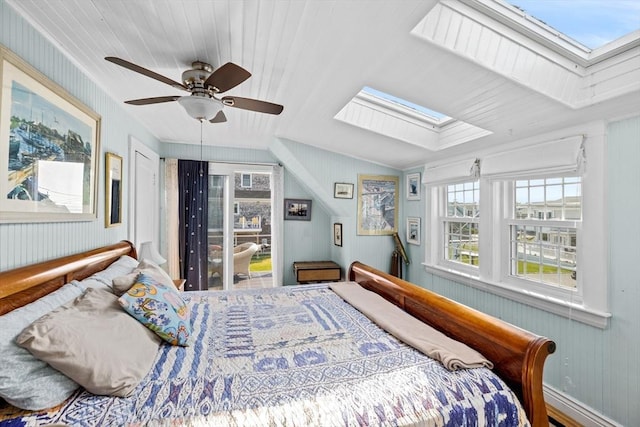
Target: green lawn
x: 535, y: 268
x: 261, y: 262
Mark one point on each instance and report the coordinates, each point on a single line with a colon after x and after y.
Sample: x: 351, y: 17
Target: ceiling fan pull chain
x: 201, y: 170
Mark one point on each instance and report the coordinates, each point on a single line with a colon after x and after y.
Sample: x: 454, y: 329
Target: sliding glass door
x: 241, y: 235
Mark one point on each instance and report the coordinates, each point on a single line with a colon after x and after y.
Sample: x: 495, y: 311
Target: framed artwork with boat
x: 49, y: 147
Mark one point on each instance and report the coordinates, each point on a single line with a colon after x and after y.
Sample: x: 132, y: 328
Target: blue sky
x: 431, y: 113
x: 593, y: 23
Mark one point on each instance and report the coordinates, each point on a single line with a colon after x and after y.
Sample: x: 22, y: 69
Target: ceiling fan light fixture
x: 200, y: 107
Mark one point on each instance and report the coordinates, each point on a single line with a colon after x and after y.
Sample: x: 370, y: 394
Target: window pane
x: 544, y: 254
x: 462, y: 242
x: 546, y: 199
x: 536, y: 195
x: 463, y: 200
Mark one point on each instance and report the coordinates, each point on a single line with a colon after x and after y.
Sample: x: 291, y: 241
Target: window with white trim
x: 543, y: 225
x: 245, y: 180
x: 461, y: 223
x: 543, y: 228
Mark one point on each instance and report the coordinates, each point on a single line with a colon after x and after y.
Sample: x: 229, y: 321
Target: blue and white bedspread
x: 295, y: 356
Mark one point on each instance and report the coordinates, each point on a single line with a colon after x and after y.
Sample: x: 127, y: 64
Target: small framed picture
x: 413, y: 230
x: 413, y: 186
x: 337, y: 234
x: 297, y: 209
x: 113, y: 190
x: 343, y: 190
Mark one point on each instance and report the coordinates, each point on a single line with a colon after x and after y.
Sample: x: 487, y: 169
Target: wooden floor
x: 258, y: 280
x: 558, y: 419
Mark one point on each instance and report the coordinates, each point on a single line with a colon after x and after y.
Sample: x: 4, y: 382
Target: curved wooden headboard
x: 23, y: 285
x: 518, y: 355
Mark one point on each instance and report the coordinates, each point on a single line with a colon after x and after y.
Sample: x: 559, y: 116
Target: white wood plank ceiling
x: 313, y: 57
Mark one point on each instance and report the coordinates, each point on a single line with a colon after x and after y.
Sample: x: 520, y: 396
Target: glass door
x: 240, y: 234
x: 215, y: 234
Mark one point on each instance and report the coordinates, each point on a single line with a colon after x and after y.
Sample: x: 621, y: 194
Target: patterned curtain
x: 193, y: 199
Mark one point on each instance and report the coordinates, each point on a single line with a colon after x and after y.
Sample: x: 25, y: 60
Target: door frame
x: 135, y: 146
x: 228, y: 170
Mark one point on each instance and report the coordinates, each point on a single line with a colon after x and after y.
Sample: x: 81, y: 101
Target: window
x: 545, y: 218
x: 461, y: 223
x: 543, y: 225
x: 245, y: 180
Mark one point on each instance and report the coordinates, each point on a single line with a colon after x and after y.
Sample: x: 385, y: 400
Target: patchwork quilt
x: 293, y: 356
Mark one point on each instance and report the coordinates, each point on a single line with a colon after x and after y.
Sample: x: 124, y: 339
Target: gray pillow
x: 94, y: 342
x: 25, y: 381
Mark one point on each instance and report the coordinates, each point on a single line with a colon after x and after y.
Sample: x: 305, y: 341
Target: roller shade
x: 560, y: 156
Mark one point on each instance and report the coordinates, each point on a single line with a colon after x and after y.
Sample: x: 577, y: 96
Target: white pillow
x: 122, y: 266
x: 122, y: 284
x: 26, y: 382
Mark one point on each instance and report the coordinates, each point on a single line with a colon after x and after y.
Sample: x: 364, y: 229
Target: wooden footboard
x: 518, y: 356
x: 23, y: 285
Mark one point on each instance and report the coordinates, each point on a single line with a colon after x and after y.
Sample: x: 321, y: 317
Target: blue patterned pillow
x: 159, y: 308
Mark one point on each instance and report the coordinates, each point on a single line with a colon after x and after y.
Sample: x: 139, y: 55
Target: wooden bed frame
x: 518, y: 356
x: 23, y: 285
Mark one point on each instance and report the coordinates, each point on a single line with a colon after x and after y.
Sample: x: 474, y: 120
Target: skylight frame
x: 599, y: 24
x: 550, y: 37
x: 400, y: 106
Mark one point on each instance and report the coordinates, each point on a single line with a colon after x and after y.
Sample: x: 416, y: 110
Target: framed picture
x: 413, y: 186
x: 49, y: 145
x: 337, y: 234
x: 297, y: 209
x: 113, y: 190
x: 377, y: 205
x: 413, y: 230
x: 343, y: 190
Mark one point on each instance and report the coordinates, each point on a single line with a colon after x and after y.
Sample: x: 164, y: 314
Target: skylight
x: 397, y: 118
x: 592, y: 23
x: 434, y: 116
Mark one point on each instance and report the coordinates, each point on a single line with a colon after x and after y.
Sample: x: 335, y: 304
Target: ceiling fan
x: 204, y: 83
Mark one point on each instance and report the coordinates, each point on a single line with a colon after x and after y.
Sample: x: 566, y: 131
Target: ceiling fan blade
x: 227, y: 76
x: 219, y: 118
x: 252, y: 104
x: 155, y: 100
x: 138, y: 69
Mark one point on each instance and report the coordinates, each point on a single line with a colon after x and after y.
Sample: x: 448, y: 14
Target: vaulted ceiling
x: 314, y: 57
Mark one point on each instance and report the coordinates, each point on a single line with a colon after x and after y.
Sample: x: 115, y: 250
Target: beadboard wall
x: 317, y: 171
x: 22, y: 244
x: 594, y: 367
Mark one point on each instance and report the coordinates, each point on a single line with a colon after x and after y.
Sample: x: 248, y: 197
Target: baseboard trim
x: 571, y: 412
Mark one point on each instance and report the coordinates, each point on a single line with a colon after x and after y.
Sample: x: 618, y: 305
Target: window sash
x: 541, y: 253
x: 460, y: 245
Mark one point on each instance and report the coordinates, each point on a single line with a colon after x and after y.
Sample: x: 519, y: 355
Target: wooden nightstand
x: 179, y: 284
x: 316, y: 271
